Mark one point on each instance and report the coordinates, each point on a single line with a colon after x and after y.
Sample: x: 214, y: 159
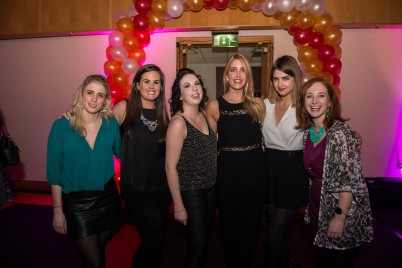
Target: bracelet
x: 57, y: 206
x: 178, y: 211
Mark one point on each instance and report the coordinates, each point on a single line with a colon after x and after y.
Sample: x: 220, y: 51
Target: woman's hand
x: 336, y: 226
x: 180, y: 215
x: 59, y: 221
x: 66, y: 115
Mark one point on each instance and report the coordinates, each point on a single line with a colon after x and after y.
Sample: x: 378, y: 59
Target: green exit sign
x: 225, y: 40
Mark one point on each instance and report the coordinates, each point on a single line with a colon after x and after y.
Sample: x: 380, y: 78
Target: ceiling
x: 205, y: 54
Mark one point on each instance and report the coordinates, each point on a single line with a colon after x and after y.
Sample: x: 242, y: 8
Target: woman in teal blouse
x: 86, y: 203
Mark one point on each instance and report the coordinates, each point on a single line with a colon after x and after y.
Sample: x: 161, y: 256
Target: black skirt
x: 92, y: 212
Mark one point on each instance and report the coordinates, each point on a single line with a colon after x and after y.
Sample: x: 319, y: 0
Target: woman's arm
x: 59, y: 220
x: 119, y: 111
x: 175, y: 136
x: 337, y: 224
x: 212, y: 112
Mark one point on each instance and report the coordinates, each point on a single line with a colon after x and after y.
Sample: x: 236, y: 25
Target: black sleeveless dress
x: 241, y: 183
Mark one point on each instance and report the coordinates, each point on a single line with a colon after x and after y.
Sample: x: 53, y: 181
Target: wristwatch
x: 339, y: 211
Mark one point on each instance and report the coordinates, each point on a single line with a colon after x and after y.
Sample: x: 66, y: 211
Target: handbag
x: 9, y: 151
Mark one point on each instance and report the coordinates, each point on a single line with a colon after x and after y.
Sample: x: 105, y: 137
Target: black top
x: 197, y: 166
x: 143, y: 156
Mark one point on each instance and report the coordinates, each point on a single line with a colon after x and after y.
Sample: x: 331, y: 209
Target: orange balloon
x: 120, y: 79
x: 156, y: 20
x: 338, y: 51
x: 323, y: 22
x: 233, y: 4
x: 138, y: 55
x: 111, y: 67
x: 130, y: 42
x: 327, y: 76
x: 313, y: 66
x: 159, y: 6
x: 196, y: 5
x: 277, y: 15
x: 333, y: 36
x: 306, y: 53
x: 245, y: 5
x: 125, y: 25
x: 338, y: 92
x: 289, y: 18
x: 305, y: 20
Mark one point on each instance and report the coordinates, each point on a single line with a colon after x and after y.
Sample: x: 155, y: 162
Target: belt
x: 282, y: 152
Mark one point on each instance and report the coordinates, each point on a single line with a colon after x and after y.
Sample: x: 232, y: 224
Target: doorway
x: 199, y: 55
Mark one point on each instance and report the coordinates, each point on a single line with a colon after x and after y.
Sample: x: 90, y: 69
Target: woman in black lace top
x: 191, y: 163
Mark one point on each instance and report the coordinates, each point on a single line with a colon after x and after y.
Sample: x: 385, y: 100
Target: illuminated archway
x: 314, y: 34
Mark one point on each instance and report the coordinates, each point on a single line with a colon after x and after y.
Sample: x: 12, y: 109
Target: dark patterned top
x: 343, y: 172
x: 197, y: 166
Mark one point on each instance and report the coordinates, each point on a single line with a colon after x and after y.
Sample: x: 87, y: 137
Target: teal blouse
x: 72, y: 164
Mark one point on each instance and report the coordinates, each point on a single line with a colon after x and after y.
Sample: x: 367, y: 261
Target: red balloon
x: 142, y: 6
x: 301, y: 36
x: 141, y: 22
x: 143, y: 37
x: 208, y: 4
x: 111, y: 67
x: 293, y: 28
x: 336, y: 80
x: 325, y: 52
x: 221, y: 4
x: 333, y: 66
x: 120, y: 79
x: 315, y: 39
x: 108, y: 51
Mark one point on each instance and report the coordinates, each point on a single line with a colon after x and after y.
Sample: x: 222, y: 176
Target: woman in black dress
x: 241, y: 183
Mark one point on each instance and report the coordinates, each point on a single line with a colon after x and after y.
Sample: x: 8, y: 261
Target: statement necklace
x: 151, y: 125
x: 315, y: 138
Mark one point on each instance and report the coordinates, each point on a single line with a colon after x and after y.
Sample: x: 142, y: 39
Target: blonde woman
x: 241, y: 185
x: 86, y: 203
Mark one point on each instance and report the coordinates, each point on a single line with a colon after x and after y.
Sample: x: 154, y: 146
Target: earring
x: 103, y: 109
x: 181, y: 98
x: 327, y: 113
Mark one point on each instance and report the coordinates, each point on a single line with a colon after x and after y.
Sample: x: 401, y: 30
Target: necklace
x: 317, y: 137
x: 151, y: 125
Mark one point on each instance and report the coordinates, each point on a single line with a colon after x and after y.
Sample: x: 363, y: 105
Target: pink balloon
x: 175, y: 9
x: 269, y: 7
x: 118, y: 53
x: 116, y: 38
x: 285, y: 5
x: 318, y: 7
x: 129, y: 66
x: 256, y: 7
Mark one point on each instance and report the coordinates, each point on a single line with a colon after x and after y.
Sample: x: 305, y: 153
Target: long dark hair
x: 134, y: 104
x: 176, y: 104
x: 304, y: 119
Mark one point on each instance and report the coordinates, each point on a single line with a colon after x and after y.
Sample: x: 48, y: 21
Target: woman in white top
x: 287, y: 179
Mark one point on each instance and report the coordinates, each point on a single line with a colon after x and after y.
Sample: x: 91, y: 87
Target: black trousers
x: 149, y: 211
x: 333, y: 258
x: 200, y: 206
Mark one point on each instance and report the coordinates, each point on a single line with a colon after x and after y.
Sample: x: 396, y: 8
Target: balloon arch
x: 314, y: 34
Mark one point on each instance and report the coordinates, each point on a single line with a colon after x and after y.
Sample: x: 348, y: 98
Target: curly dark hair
x: 176, y: 104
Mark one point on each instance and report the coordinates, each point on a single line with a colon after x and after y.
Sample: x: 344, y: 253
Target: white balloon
x: 285, y: 5
x: 129, y: 66
x: 175, y: 8
x: 318, y: 7
x: 303, y: 5
x: 118, y: 53
x: 269, y: 7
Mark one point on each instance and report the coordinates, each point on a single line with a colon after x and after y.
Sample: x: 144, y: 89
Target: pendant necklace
x: 317, y: 137
x: 151, y: 125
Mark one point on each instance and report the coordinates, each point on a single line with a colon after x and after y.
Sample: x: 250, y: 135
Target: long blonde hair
x: 250, y: 105
x: 76, y: 122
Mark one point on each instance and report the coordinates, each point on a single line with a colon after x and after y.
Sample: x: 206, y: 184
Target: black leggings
x: 150, y: 212
x: 333, y: 258
x: 277, y: 250
x: 92, y: 249
x: 200, y: 206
